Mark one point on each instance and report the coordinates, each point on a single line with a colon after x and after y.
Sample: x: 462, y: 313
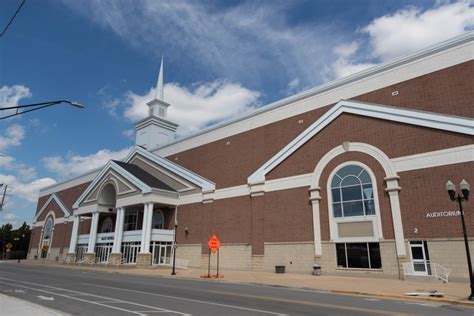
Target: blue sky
x: 221, y: 59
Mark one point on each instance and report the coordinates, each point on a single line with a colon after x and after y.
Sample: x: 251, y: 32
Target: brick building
x: 350, y: 175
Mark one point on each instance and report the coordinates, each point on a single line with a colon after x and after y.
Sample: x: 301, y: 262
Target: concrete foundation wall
x: 451, y: 254
x: 297, y: 257
x: 192, y: 253
x: 235, y: 257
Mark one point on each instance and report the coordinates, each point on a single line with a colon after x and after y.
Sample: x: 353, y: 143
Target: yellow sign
x: 9, y: 245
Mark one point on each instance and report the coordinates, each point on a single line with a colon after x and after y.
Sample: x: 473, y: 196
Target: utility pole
x: 4, y: 224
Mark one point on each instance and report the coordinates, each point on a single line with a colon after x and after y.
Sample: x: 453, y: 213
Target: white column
x: 148, y: 232
x: 145, y: 248
x: 315, y: 198
x: 393, y: 189
x: 75, y: 230
x: 118, y: 230
x: 93, y: 232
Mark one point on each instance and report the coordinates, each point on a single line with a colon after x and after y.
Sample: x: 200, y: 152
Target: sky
x: 221, y: 59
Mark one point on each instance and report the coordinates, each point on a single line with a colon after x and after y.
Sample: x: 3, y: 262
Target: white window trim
x: 375, y: 219
x: 50, y: 240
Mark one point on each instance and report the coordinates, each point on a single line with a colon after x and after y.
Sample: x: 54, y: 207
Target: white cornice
x: 203, y: 183
x: 60, y: 203
x: 121, y: 171
x: 419, y: 118
x: 443, y: 55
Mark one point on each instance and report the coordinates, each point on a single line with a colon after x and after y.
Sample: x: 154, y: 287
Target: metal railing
x: 430, y: 269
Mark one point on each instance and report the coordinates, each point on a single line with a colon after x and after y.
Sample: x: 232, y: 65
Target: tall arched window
x: 158, y: 221
x: 48, y: 229
x: 107, y: 225
x: 352, y: 192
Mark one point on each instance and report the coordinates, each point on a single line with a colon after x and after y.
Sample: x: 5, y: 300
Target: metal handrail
x: 435, y: 269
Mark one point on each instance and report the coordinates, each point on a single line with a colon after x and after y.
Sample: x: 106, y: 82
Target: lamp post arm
x: 35, y: 106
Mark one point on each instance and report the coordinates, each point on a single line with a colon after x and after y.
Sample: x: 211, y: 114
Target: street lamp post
x: 451, y: 188
x: 174, y: 248
x: 36, y: 106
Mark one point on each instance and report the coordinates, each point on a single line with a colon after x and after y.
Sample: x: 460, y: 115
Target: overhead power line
x: 13, y: 18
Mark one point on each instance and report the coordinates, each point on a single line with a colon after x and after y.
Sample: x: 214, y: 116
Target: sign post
x: 214, y: 245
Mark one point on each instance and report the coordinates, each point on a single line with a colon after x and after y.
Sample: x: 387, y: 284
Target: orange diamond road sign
x: 214, y: 243
x: 8, y: 246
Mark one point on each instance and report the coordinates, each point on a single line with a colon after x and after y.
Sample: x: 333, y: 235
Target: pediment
x: 122, y: 186
x: 431, y: 120
x: 179, y: 178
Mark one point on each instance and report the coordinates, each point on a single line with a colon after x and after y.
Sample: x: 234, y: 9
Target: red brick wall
x: 424, y: 191
x: 288, y: 216
x: 395, y: 139
x: 53, y: 206
x: 447, y: 91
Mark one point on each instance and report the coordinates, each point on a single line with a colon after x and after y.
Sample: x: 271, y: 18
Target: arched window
x: 352, y: 192
x: 158, y: 221
x: 107, y: 225
x: 48, y: 229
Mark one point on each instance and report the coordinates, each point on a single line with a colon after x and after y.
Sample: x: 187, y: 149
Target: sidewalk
x: 454, y: 293
x: 14, y: 306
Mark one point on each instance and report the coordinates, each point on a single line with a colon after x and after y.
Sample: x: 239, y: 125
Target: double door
x: 162, y: 253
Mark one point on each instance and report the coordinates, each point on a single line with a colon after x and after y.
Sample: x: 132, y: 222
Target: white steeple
x: 155, y: 130
x: 159, y: 85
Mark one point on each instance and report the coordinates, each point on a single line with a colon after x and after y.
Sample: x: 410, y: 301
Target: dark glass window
x: 341, y: 255
x: 158, y: 220
x: 374, y: 251
x: 352, y: 192
x: 130, y: 221
x: 358, y: 255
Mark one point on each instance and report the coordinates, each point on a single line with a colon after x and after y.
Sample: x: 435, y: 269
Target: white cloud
x: 26, y: 190
x: 345, y: 63
x: 13, y: 136
x: 26, y: 173
x: 399, y: 33
x: 245, y: 42
x: 74, y: 165
x: 129, y: 133
x: 9, y: 218
x: 10, y: 96
x: 293, y: 86
x: 412, y: 28
x: 195, y: 109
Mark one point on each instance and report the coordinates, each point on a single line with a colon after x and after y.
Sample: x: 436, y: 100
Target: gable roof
x: 111, y: 165
x: 58, y: 201
x: 144, y: 176
x: 205, y: 184
x: 142, y: 179
x: 414, y: 117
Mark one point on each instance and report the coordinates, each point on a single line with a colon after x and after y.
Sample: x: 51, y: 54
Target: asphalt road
x: 94, y: 293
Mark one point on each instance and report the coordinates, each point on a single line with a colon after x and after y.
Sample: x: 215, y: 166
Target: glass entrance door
x: 420, y: 259
x: 162, y: 253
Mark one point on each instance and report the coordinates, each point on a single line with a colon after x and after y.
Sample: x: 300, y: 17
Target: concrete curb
x: 338, y: 292
x: 404, y: 297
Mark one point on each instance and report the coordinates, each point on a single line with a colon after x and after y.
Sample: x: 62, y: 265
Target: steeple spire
x: 155, y: 129
x: 159, y: 85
